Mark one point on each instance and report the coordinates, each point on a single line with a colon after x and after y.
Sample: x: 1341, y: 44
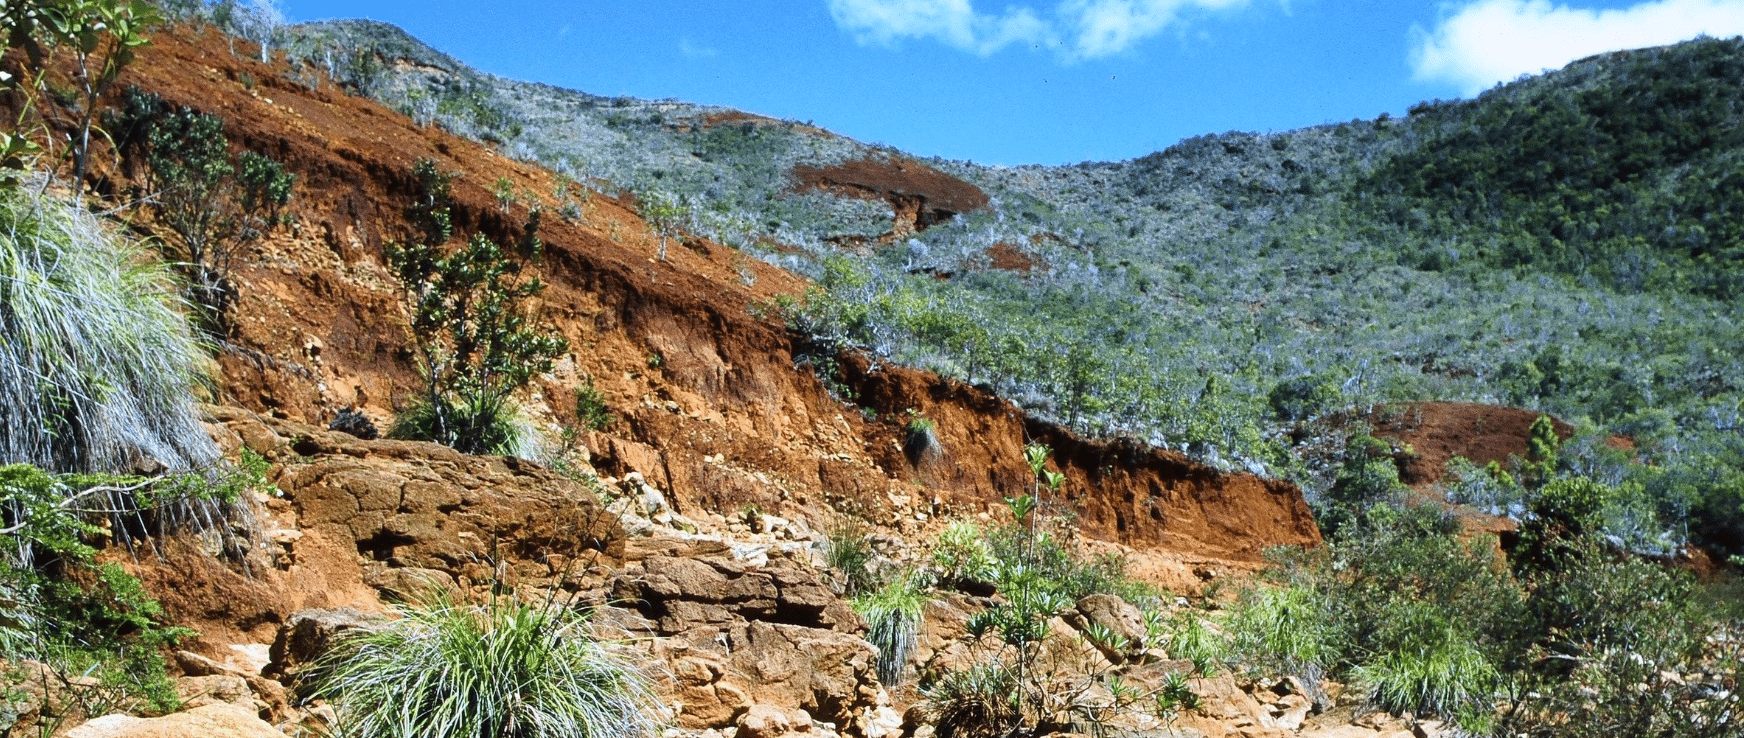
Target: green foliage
x: 961, y: 554
x: 474, y: 428
x: 1366, y: 477
x: 217, y: 203
x: 1288, y: 629
x: 1303, y: 397
x: 590, y: 408
x: 980, y: 701
x: 665, y: 213
x: 1615, y: 172
x: 476, y: 342
x: 63, y: 608
x: 1442, y: 672
x: 100, y: 36
x: 502, y: 668
x: 96, y: 363
x: 893, y: 614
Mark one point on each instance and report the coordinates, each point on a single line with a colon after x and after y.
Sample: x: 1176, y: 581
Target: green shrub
x: 893, y: 614
x: 591, y: 411
x: 1438, y: 671
x: 476, y: 343
x: 216, y: 202
x: 491, y: 428
x: 503, y: 668
x: 62, y: 608
x: 1285, y: 629
x: 97, y: 366
x: 1303, y: 397
x: 961, y: 554
x: 981, y: 701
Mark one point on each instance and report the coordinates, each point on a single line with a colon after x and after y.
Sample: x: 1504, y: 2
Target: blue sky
x: 1037, y: 81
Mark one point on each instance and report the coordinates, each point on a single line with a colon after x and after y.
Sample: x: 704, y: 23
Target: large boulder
x: 426, y: 507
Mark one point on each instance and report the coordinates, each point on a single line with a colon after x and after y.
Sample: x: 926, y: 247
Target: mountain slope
x: 1565, y: 243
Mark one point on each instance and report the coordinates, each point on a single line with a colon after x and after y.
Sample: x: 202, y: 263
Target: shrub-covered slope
x: 1566, y: 243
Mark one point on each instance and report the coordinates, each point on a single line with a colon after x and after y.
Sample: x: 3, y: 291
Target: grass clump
x: 893, y: 614
x: 502, y: 669
x: 97, y: 365
x: 848, y: 550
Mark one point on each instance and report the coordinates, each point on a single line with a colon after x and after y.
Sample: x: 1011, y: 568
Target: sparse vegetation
x: 217, y: 203
x: 893, y: 614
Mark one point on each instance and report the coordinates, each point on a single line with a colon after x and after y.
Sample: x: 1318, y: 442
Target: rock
x: 211, y: 721
x: 681, y: 594
x: 408, y: 584
x: 768, y: 721
x: 218, y: 689
x: 267, y: 694
x: 1111, y: 612
x: 351, y: 421
x: 1290, y: 710
x: 308, y: 634
x: 422, y: 505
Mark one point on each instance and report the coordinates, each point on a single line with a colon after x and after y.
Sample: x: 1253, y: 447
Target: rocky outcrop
x: 437, y: 515
x: 738, y: 634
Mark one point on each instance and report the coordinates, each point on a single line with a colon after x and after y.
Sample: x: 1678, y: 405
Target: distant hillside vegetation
x: 1623, y: 170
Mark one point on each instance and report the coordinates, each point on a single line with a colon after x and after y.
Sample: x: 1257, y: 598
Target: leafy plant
x: 960, y: 554
x: 101, y: 36
x: 476, y: 342
x: 979, y: 701
x: 590, y: 408
x: 848, y: 550
x: 501, y: 668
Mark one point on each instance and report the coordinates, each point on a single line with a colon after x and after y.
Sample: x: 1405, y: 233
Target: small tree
x: 661, y: 212
x: 217, y: 203
x: 476, y: 341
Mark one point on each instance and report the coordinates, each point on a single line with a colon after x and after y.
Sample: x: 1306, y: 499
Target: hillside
x: 1563, y: 243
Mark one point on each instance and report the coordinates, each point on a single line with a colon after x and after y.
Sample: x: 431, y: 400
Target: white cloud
x: 1490, y: 41
x: 694, y: 51
x: 1075, y: 28
x: 1106, y: 27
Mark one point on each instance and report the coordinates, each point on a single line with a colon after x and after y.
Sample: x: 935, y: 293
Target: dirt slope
x: 709, y: 404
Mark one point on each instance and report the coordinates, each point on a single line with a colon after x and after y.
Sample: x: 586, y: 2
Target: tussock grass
x: 97, y: 362
x: 893, y: 614
x: 504, y: 668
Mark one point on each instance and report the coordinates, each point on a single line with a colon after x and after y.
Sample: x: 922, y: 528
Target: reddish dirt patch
x: 1439, y: 431
x: 919, y: 195
x: 735, y: 117
x: 1009, y: 258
